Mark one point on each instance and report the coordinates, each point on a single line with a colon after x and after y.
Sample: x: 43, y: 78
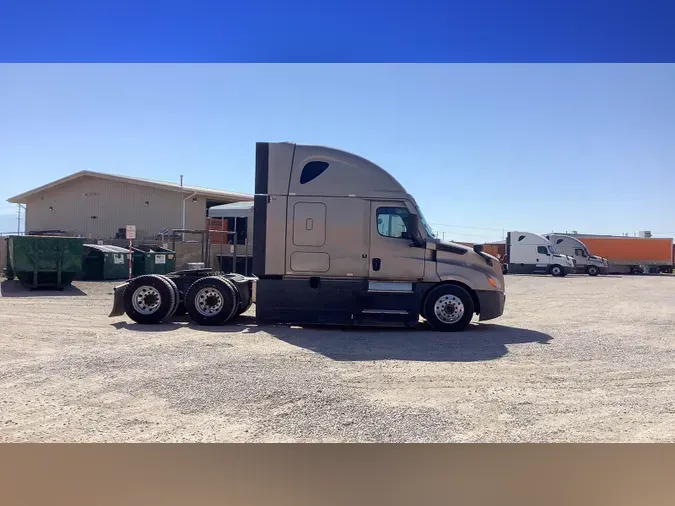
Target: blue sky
x: 481, y: 147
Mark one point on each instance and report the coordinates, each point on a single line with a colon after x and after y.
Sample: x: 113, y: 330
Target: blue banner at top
x: 344, y: 31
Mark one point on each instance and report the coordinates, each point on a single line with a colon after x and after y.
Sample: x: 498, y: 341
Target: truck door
x: 391, y: 255
x: 543, y: 260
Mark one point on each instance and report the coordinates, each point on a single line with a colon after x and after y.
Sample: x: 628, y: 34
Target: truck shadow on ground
x: 569, y: 276
x: 14, y: 288
x: 478, y: 343
x: 139, y: 327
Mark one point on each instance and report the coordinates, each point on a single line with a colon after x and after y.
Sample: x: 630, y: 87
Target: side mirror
x: 478, y: 248
x: 414, y: 230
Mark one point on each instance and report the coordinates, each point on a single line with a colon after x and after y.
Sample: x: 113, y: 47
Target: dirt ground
x: 576, y: 359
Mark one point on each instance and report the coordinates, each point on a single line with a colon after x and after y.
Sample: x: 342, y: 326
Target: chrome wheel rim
x: 146, y: 300
x: 209, y: 301
x: 556, y: 271
x: 449, y: 308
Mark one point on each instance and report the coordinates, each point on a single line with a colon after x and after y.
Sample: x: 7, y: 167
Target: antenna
x: 181, y: 180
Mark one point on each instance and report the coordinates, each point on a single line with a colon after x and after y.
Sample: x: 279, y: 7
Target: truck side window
x: 542, y: 250
x: 579, y: 252
x: 391, y: 222
x: 311, y: 171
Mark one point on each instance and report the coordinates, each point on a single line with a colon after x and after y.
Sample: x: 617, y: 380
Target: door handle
x: 376, y: 264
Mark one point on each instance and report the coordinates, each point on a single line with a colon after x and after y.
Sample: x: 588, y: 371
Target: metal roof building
x: 96, y: 205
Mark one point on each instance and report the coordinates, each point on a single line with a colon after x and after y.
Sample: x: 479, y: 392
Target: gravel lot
x: 576, y: 359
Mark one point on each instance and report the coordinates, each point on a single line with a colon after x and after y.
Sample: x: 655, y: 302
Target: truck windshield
x: 430, y: 232
x: 552, y: 250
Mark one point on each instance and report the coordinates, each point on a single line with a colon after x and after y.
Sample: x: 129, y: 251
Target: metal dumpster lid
x: 107, y: 248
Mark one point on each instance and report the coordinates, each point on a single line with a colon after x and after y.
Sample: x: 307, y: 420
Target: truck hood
x: 456, y: 261
x: 599, y: 260
x: 565, y: 258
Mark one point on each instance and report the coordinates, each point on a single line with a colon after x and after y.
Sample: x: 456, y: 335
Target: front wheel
x: 448, y: 308
x: 592, y: 270
x: 557, y: 271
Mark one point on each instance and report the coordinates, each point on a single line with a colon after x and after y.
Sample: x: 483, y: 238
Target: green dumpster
x: 105, y: 261
x: 45, y: 261
x: 149, y: 259
x: 8, y: 268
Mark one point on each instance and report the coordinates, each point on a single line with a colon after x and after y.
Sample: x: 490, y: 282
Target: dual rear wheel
x: 212, y: 300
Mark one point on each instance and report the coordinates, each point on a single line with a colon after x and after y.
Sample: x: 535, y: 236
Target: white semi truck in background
x: 585, y: 263
x: 336, y: 240
x: 529, y: 253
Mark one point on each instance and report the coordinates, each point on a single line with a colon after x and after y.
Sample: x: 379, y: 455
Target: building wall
x: 115, y: 204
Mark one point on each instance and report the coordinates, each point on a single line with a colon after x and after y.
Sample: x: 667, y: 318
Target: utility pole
x: 18, y: 219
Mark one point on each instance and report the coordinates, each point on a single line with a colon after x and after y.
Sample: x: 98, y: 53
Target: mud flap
x: 118, y: 303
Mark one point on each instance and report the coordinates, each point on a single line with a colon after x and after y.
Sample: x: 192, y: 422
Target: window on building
x: 392, y: 222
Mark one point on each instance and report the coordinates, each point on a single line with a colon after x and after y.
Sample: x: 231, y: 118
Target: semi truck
x: 631, y: 255
x: 585, y: 263
x: 529, y: 253
x: 336, y: 240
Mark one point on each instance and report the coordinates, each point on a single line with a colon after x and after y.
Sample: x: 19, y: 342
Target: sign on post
x: 131, y: 235
x: 131, y: 232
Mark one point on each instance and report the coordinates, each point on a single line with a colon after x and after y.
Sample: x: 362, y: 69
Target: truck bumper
x: 491, y: 304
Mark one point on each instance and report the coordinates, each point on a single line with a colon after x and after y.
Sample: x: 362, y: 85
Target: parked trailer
x: 631, y: 254
x: 336, y: 240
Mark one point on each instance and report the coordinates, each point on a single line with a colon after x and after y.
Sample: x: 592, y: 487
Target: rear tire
x: 148, y: 299
x: 448, y: 308
x: 242, y: 310
x: 557, y: 271
x: 211, y: 301
x: 592, y: 270
x: 176, y: 293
